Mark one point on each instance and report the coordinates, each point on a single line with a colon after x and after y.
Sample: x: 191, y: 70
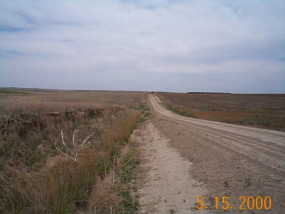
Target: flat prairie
x: 257, y: 110
x: 56, y: 99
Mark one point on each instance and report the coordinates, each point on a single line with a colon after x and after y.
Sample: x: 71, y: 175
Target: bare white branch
x: 72, y: 150
x: 73, y: 136
x: 62, y: 138
x: 86, y: 140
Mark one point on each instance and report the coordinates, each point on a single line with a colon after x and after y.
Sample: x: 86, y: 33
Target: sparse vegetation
x: 128, y: 164
x: 145, y: 112
x: 180, y: 110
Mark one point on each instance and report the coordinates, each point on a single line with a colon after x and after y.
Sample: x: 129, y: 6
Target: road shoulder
x: 166, y: 185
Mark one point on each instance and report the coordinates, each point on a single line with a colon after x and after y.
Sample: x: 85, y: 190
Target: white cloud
x: 141, y: 36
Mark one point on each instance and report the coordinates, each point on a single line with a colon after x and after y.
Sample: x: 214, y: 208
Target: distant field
x: 36, y: 98
x: 258, y: 110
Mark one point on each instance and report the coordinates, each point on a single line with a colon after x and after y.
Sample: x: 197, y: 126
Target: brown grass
x: 36, y: 178
x: 258, y: 110
x: 55, y: 100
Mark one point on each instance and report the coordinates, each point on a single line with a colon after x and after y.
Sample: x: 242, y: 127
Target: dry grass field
x: 67, y: 151
x: 258, y: 110
x: 14, y: 98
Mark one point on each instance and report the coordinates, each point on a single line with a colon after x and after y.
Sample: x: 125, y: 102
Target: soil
x: 184, y: 158
x: 167, y: 184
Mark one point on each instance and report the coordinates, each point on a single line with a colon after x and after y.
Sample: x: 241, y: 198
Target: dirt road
x: 265, y: 146
x: 226, y: 160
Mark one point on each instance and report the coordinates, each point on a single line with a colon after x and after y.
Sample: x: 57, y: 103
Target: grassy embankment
x: 69, y: 160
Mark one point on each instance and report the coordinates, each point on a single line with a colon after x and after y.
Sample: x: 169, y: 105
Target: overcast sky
x: 169, y: 45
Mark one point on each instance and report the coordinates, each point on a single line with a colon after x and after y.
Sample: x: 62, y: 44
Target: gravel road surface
x: 226, y: 159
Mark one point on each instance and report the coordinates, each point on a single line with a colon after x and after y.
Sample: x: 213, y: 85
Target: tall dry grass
x: 37, y: 177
